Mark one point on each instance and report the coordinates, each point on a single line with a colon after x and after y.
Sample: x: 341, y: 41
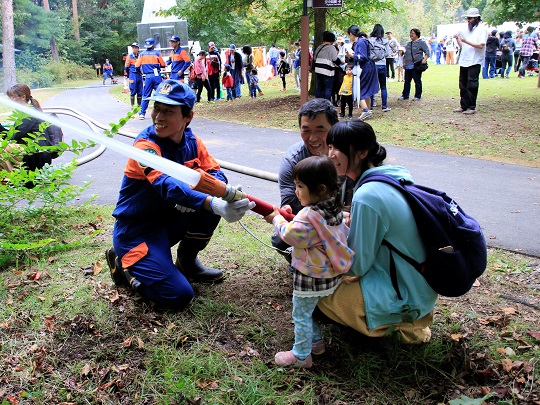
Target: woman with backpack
x: 507, y: 48
x: 368, y: 302
x: 379, y: 50
x: 369, y: 84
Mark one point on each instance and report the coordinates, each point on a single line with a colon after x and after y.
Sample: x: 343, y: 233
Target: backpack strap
x: 398, y: 185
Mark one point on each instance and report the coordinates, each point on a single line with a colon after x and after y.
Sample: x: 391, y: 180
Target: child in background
x: 283, y: 69
x: 253, y: 83
x: 346, y: 91
x: 228, y: 82
x: 318, y: 236
x: 399, y: 64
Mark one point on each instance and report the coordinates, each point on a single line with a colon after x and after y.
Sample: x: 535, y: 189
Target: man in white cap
x: 471, y: 59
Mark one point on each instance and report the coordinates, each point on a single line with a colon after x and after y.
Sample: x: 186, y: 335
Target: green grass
x: 72, y: 337
x: 504, y: 130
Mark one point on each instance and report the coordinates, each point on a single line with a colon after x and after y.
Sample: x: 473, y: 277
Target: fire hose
x: 198, y: 179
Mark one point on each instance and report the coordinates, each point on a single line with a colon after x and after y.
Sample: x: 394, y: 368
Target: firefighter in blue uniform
x: 133, y: 73
x: 156, y: 211
x: 150, y: 62
x: 178, y: 59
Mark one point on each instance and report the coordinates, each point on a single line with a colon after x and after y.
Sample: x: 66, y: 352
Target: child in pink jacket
x: 320, y: 255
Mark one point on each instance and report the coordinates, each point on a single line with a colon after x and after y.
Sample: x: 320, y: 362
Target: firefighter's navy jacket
x: 147, y: 223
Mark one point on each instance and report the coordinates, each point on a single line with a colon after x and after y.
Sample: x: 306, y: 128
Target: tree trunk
x: 54, y: 48
x: 76, y: 20
x: 319, y: 26
x: 8, y: 44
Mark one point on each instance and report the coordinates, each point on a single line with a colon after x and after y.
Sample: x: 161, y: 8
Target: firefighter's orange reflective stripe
x: 135, y: 170
x: 134, y: 255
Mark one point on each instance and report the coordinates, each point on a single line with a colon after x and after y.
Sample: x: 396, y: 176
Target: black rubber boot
x: 139, y: 99
x: 117, y: 273
x: 190, y: 265
x: 132, y: 98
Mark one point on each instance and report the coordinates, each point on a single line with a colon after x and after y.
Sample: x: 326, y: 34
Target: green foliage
x: 521, y: 11
x: 32, y: 199
x: 50, y: 72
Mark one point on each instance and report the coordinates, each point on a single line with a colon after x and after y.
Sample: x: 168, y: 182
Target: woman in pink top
x: 318, y: 236
x: 199, y: 66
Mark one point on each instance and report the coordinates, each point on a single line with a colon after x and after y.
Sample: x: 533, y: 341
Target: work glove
x: 233, y: 211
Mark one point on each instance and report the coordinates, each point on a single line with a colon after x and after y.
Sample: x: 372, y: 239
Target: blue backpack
x: 456, y: 251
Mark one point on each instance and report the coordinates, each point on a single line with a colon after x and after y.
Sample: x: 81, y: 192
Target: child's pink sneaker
x: 289, y: 359
x: 318, y: 347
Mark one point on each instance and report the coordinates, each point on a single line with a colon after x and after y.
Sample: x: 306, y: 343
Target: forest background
x: 63, y: 39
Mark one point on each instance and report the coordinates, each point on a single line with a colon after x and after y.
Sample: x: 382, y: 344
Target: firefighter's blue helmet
x: 149, y: 43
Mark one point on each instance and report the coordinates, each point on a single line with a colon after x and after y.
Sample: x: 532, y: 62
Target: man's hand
x: 233, y: 211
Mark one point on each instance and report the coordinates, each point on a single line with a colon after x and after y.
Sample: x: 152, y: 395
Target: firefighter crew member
x: 156, y: 211
x: 133, y: 73
x: 107, y: 71
x: 150, y: 62
x: 178, y: 59
x: 213, y: 61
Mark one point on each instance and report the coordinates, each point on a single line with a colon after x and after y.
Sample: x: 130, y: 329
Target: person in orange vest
x: 178, y: 59
x: 150, y: 62
x: 107, y: 71
x: 133, y: 73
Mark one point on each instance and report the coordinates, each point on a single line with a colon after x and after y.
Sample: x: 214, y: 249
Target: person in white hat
x: 471, y: 59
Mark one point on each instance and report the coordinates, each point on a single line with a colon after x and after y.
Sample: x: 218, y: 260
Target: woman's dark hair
x: 362, y: 34
x: 328, y: 36
x: 316, y: 171
x: 378, y: 31
x: 246, y: 50
x: 416, y: 31
x: 317, y: 106
x: 354, y: 136
x: 21, y: 89
x: 354, y: 30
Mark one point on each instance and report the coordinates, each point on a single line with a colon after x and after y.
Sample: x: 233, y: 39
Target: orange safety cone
x: 126, y: 87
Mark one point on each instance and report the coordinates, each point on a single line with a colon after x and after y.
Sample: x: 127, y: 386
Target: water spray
x: 198, y: 179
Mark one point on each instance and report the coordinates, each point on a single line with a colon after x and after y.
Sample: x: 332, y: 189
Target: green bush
x: 28, y: 214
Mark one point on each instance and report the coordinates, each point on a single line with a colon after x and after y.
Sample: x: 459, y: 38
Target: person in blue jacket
x: 134, y: 76
x: 107, y: 71
x: 150, y: 62
x: 178, y: 59
x: 368, y: 302
x: 156, y: 211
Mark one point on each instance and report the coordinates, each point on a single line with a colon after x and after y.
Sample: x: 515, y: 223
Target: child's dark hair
x: 254, y: 71
x: 349, y: 66
x: 316, y: 171
x: 282, y: 54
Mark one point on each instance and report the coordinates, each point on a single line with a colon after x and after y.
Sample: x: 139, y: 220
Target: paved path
x: 504, y: 198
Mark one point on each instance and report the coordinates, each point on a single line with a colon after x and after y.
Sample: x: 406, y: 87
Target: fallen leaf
x: 51, y: 259
x: 127, y: 341
x: 506, y: 365
x: 49, y: 322
x: 97, y: 268
x: 535, y: 335
x: 456, y: 336
x: 86, y: 369
x: 509, y: 311
x: 113, y: 296
x: 140, y: 343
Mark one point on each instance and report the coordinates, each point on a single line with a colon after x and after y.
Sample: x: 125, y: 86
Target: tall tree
x: 8, y: 44
x: 520, y: 11
x: 54, y: 49
x: 76, y: 20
